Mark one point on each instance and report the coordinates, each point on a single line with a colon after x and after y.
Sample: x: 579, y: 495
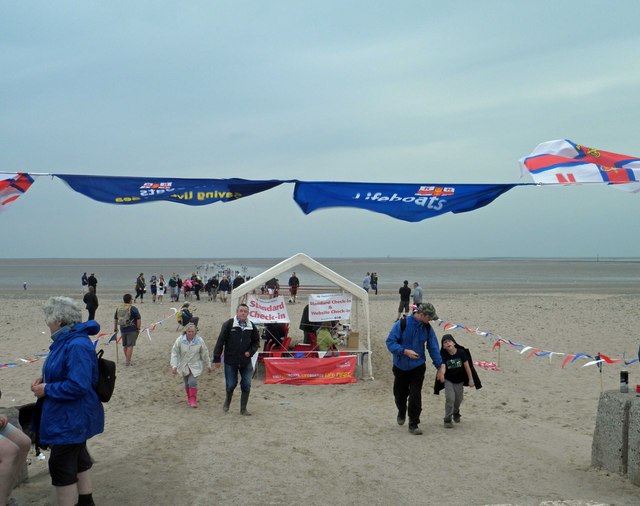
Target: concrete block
x: 610, y: 437
x: 633, y: 457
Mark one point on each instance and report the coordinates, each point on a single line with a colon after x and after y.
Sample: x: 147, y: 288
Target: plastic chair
x: 277, y: 351
x: 273, y: 349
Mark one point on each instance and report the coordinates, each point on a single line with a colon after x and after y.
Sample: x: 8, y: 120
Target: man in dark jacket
x: 308, y: 327
x: 91, y: 303
x: 239, y: 339
x: 93, y: 281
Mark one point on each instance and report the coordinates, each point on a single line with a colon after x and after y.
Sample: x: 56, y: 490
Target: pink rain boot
x: 193, y: 397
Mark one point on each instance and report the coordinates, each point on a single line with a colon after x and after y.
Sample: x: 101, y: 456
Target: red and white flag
x: 565, y: 162
x: 12, y: 186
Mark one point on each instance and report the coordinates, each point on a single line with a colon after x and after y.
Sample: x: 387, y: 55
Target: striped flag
x: 12, y: 186
x: 565, y: 162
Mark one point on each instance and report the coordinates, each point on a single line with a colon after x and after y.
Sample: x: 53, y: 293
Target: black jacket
x: 235, y: 342
x: 476, y: 379
x: 90, y: 300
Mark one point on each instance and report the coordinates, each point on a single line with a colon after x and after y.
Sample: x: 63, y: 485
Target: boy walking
x: 455, y: 367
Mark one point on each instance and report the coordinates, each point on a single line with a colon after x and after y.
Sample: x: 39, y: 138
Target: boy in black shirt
x: 455, y: 366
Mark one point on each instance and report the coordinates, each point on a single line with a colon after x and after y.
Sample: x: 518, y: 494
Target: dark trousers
x: 92, y: 313
x: 408, y: 385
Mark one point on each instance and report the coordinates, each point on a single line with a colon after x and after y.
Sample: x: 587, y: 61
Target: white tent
x: 301, y: 259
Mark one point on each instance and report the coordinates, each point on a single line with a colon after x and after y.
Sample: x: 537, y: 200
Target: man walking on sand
x: 405, y: 297
x: 417, y: 294
x: 239, y: 339
x: 294, y: 283
x: 128, y: 318
x: 406, y: 342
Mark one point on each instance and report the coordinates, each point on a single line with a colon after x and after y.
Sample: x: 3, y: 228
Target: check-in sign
x: 327, y: 307
x: 267, y: 310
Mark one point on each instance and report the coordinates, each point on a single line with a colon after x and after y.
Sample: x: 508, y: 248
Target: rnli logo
x: 150, y: 189
x: 435, y: 191
x: 157, y: 186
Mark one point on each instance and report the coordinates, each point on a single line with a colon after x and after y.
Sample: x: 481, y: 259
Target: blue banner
x: 192, y: 192
x: 408, y: 202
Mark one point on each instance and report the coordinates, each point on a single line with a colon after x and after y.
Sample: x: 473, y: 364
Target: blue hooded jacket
x: 71, y: 411
x: 414, y: 337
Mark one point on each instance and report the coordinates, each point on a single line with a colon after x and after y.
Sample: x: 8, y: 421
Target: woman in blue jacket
x: 71, y: 410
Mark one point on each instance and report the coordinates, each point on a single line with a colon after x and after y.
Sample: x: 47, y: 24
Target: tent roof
x: 289, y: 264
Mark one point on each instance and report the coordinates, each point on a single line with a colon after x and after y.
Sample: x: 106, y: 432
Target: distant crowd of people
x: 175, y: 286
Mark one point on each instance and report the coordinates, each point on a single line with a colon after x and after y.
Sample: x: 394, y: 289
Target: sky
x: 370, y: 91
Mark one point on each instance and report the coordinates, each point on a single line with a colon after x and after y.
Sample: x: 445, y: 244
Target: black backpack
x: 106, y: 377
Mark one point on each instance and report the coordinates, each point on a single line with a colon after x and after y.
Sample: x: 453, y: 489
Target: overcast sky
x: 384, y: 91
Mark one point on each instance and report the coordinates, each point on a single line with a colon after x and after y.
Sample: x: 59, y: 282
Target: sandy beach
x: 525, y: 438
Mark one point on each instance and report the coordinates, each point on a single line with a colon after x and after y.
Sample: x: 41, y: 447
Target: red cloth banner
x: 311, y: 371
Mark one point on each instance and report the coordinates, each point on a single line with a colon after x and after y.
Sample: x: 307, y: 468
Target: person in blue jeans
x: 239, y: 339
x: 407, y: 342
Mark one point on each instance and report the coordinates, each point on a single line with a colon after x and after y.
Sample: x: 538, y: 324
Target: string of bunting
x: 531, y: 351
x: 112, y: 337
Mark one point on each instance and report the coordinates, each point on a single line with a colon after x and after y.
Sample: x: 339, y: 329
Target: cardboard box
x: 353, y: 340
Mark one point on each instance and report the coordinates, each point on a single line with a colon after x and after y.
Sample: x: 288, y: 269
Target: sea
x: 486, y: 274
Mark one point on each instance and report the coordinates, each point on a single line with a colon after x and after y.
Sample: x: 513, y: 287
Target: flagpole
x: 29, y: 173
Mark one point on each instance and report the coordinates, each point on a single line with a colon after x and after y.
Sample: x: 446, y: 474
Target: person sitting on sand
x: 186, y: 315
x: 14, y: 448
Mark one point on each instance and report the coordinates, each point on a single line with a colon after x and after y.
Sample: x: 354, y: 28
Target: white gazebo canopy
x: 301, y: 259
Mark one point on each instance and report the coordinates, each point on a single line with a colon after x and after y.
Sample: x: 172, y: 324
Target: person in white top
x: 189, y: 356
